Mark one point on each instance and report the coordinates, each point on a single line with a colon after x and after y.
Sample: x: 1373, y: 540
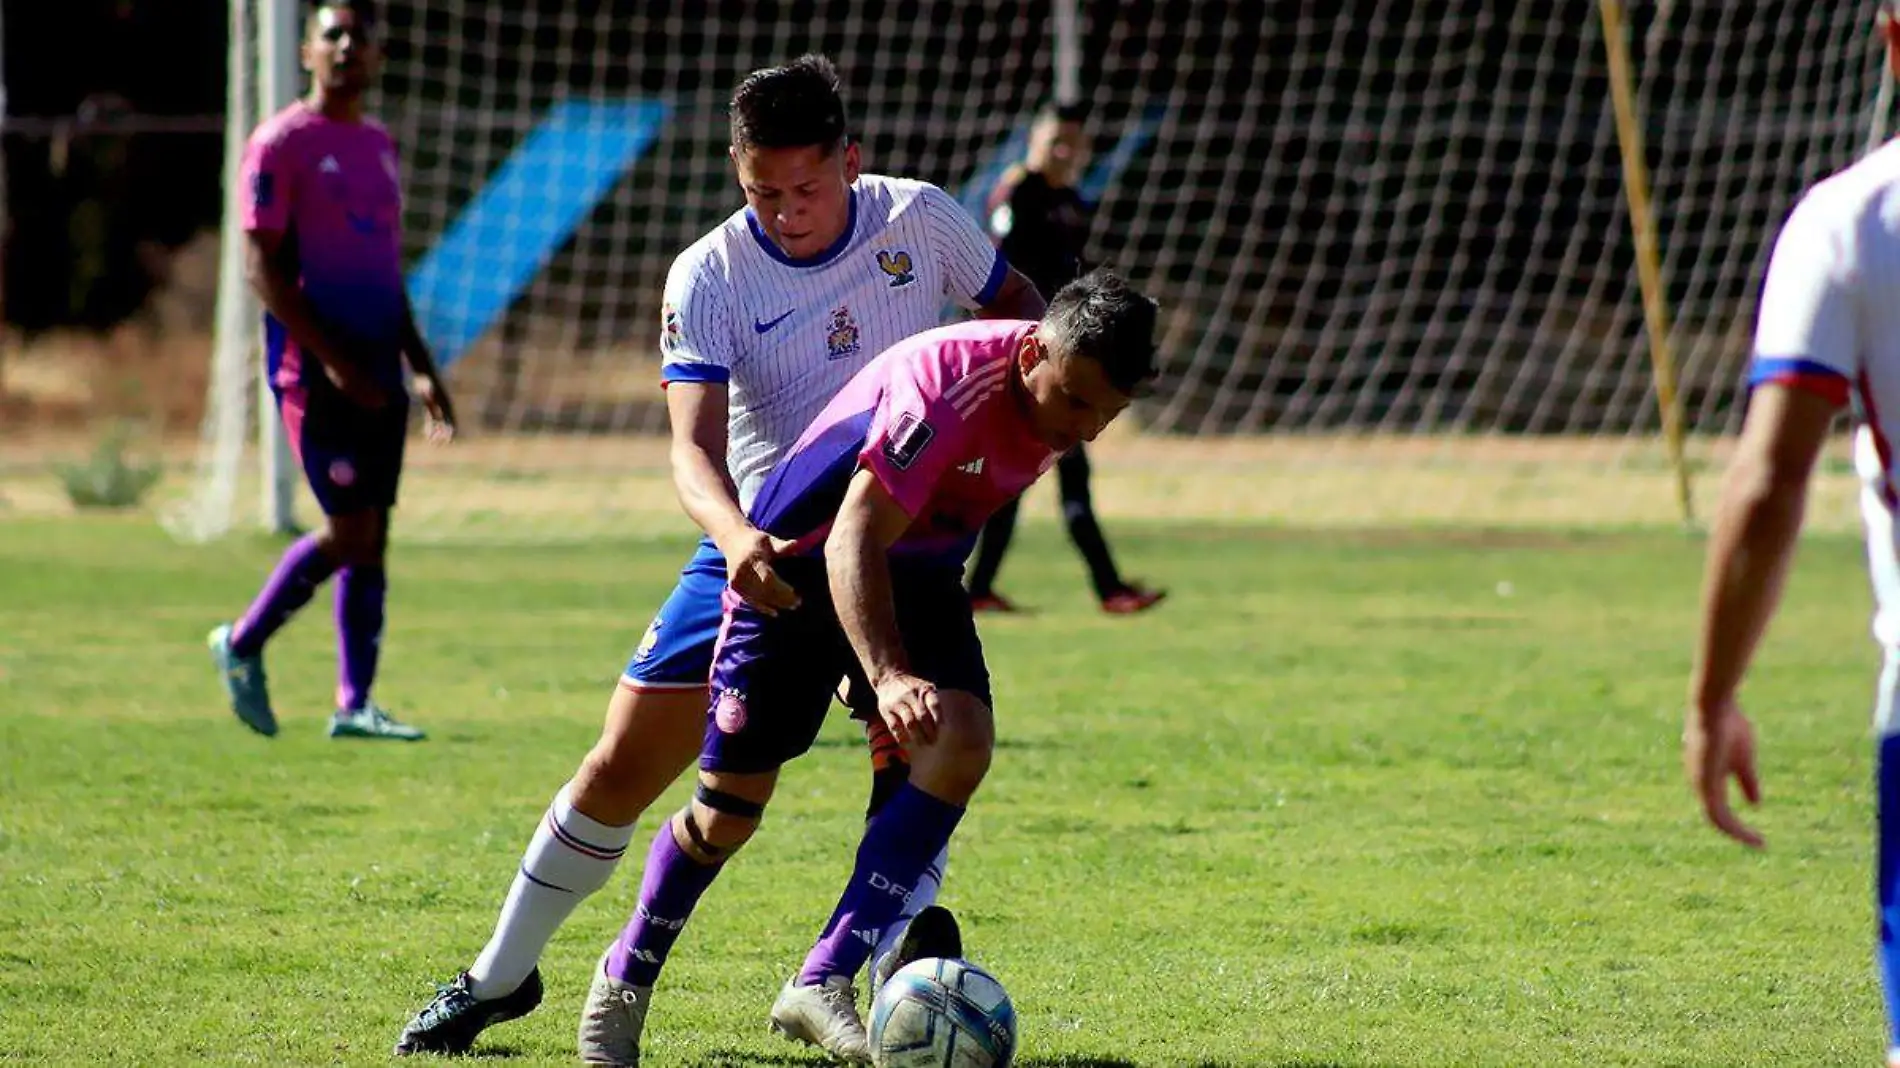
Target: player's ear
x: 738, y: 171
x: 1029, y: 354
x: 853, y: 160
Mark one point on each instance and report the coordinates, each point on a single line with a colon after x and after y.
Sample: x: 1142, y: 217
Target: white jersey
x: 786, y: 335
x: 1829, y: 323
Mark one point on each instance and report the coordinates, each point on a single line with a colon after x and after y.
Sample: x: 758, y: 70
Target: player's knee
x: 716, y: 824
x: 954, y: 765
x: 603, y: 791
x: 355, y: 540
x: 648, y: 740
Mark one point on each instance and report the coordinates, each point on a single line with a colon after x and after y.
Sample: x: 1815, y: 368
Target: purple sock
x: 669, y: 889
x: 899, y: 843
x: 301, y: 570
x: 359, y: 633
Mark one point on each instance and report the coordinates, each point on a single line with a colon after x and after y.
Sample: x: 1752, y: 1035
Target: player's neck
x: 337, y: 107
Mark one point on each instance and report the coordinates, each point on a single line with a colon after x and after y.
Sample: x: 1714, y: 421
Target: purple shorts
x: 774, y: 677
x: 352, y: 457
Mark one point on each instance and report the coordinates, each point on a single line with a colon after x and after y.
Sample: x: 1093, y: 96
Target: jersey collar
x: 832, y: 253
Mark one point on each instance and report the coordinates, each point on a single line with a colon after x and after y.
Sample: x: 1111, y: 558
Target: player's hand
x: 749, y: 571
x: 1714, y: 748
x: 358, y: 387
x: 910, y: 707
x: 439, y: 421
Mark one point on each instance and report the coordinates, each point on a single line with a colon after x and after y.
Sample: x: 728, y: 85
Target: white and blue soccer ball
x: 938, y: 1013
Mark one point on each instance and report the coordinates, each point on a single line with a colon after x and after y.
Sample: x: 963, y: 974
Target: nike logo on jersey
x: 765, y: 327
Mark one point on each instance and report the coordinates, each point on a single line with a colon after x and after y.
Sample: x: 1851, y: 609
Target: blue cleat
x: 244, y: 683
x: 372, y: 722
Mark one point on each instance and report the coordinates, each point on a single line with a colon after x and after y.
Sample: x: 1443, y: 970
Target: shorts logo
x: 729, y: 712
x: 897, y: 265
x: 841, y: 335
x: 906, y: 440
x: 342, y: 473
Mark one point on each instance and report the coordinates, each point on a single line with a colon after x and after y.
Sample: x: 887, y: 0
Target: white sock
x: 922, y: 896
x: 569, y: 857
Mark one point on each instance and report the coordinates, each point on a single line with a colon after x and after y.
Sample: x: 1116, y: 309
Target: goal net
x: 1391, y: 242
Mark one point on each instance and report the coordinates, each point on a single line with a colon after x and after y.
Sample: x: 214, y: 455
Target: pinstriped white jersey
x: 785, y: 336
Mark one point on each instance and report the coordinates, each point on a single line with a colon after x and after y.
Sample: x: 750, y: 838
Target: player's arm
x: 275, y: 281
x: 857, y: 564
x: 1750, y: 548
x: 428, y: 385
x: 1806, y: 351
x: 1763, y: 500
x: 1016, y: 298
x: 697, y: 412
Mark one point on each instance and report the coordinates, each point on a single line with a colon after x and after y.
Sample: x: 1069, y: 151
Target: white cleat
x: 825, y: 1016
x: 612, y: 1020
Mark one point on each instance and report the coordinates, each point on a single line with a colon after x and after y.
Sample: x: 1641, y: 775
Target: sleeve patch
x: 907, y: 440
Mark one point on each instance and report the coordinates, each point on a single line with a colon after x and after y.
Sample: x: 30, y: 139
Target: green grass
x: 1345, y: 800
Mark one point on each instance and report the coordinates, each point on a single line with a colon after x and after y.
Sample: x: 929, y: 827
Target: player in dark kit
x: 323, y: 210
x: 1041, y: 223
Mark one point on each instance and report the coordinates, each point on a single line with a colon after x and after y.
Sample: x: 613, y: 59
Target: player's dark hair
x: 789, y: 107
x: 364, y: 10
x: 1101, y: 316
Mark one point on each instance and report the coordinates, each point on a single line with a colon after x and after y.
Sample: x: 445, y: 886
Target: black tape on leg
x: 731, y: 805
x: 706, y: 849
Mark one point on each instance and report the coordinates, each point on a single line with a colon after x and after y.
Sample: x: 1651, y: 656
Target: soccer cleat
x: 244, y: 682
x: 825, y: 1015
x: 372, y: 722
x: 990, y: 602
x: 931, y: 933
x: 1131, y: 599
x: 612, y: 1020
x: 450, y: 1022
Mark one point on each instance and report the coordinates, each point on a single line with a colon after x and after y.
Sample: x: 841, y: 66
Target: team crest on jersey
x: 841, y: 337
x: 897, y: 265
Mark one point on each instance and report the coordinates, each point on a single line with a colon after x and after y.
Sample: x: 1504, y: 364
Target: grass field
x: 1347, y: 799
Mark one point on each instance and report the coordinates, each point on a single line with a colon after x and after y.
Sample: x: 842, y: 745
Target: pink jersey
x: 332, y: 189
x: 940, y: 422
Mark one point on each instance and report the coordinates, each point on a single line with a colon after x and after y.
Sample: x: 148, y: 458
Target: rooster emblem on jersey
x: 897, y: 265
x: 841, y: 335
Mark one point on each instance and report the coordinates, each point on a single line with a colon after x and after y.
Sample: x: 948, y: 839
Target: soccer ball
x: 937, y: 1013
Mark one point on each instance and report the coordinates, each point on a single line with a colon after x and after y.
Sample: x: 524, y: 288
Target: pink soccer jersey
x: 332, y: 189
x: 936, y: 420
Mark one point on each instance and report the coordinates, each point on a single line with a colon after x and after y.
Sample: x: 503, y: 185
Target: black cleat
x: 931, y: 933
x: 450, y: 1023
